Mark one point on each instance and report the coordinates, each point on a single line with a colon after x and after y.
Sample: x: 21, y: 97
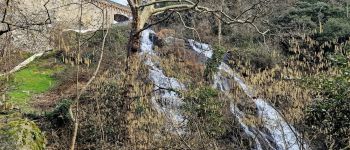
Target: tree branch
x: 181, y: 5
x: 155, y: 23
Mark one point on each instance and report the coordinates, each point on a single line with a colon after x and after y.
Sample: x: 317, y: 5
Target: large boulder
x: 19, y: 134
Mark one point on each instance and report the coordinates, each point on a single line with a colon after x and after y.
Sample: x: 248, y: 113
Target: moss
x: 18, y: 133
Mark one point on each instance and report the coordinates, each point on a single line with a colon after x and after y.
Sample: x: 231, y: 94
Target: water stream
x: 167, y: 101
x: 282, y: 133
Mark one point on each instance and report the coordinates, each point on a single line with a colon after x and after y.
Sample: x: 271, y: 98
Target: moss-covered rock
x: 18, y: 134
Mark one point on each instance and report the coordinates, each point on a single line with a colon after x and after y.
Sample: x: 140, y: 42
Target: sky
x: 124, y: 2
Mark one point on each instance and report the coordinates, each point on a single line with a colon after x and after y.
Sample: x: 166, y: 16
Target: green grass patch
x: 36, y: 78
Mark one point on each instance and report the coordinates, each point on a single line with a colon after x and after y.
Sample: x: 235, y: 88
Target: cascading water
x: 165, y: 101
x: 240, y: 116
x: 283, y: 134
x: 168, y: 102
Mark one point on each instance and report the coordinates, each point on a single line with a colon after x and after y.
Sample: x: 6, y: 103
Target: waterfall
x: 221, y: 83
x: 165, y: 100
x: 283, y: 134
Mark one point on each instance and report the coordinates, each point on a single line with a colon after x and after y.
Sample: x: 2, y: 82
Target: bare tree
x: 143, y: 10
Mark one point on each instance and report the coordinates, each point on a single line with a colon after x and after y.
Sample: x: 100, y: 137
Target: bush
x: 105, y: 117
x: 335, y: 28
x: 254, y: 57
x: 311, y: 28
x: 329, y: 115
x: 307, y: 15
x: 60, y: 115
x: 203, y: 107
x: 213, y: 63
x: 117, y: 37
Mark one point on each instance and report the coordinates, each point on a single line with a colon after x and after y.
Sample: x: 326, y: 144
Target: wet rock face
x: 157, y: 41
x: 19, y: 134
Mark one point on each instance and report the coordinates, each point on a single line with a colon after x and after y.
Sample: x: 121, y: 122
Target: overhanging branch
x: 181, y: 5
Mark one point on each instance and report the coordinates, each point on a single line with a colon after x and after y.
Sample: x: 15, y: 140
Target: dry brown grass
x: 179, y: 62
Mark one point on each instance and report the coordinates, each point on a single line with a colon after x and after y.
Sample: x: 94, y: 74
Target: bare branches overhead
x: 143, y: 10
x: 154, y: 7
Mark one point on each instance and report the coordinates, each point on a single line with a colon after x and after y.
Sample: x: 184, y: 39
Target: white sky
x: 124, y: 2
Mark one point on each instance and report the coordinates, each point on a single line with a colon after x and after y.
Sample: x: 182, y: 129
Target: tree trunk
x: 139, y: 20
x: 134, y: 39
x: 133, y: 48
x: 140, y: 17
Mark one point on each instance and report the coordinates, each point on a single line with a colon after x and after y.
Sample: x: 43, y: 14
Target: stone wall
x: 64, y: 15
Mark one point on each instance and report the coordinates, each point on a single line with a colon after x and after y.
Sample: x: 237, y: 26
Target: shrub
x: 60, y: 115
x: 329, y: 115
x: 213, y: 63
x: 203, y: 107
x: 321, y: 21
x: 307, y: 15
x: 117, y: 36
x: 106, y: 117
x: 335, y: 28
x: 254, y: 57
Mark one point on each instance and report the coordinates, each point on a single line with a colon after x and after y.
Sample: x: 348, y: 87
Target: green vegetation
x: 60, y: 115
x: 34, y: 79
x: 107, y: 104
x: 254, y: 57
x: 330, y: 114
x: 335, y: 28
x: 321, y: 22
x: 18, y: 133
x: 204, y: 108
x: 213, y: 63
x: 308, y: 15
x: 117, y: 36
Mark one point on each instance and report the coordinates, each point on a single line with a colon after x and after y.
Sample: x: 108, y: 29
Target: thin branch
x: 171, y: 7
x: 164, y: 1
x: 249, y: 9
x: 191, y: 28
x: 48, y: 20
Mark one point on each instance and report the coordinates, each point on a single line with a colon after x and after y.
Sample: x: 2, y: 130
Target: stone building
x: 93, y: 13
